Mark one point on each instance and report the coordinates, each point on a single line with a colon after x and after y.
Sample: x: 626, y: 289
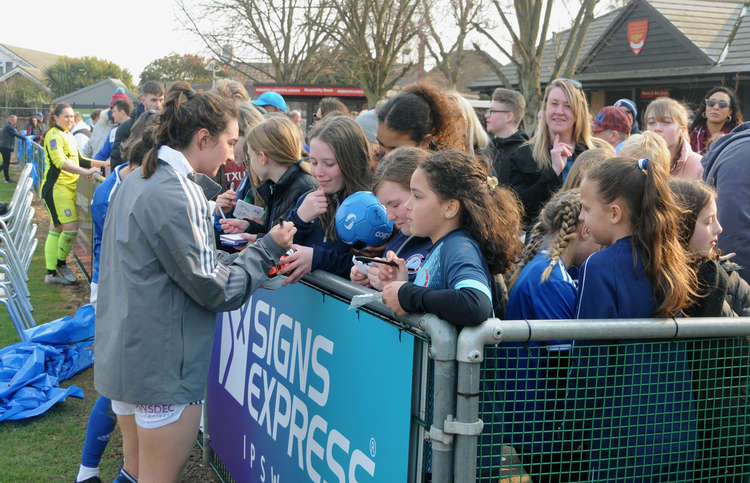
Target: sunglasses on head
x: 712, y: 103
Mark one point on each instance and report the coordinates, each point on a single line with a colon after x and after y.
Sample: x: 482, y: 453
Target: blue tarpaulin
x: 30, y: 372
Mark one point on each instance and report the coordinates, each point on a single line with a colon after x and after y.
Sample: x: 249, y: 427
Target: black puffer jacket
x: 533, y: 186
x: 281, y: 197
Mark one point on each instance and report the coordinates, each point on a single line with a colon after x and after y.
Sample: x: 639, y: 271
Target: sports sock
x: 124, y: 477
x: 102, y: 422
x: 84, y: 473
x: 66, y: 243
x: 51, y: 249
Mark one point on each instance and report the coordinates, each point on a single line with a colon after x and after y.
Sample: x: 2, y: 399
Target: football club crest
x: 637, y: 32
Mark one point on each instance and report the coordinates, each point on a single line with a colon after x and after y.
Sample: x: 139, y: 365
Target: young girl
x: 722, y: 291
x: 162, y: 283
x: 65, y: 164
x: 529, y: 379
x: 647, y: 145
x: 274, y: 150
x: 643, y: 272
x: 391, y: 186
x: 340, y: 160
x: 669, y: 119
x: 719, y: 366
x: 474, y: 227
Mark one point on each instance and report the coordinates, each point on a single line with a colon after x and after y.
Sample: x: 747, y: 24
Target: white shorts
x: 151, y: 416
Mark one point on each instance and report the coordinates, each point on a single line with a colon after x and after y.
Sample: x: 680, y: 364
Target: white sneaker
x: 49, y: 278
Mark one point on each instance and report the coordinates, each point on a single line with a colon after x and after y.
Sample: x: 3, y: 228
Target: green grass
x: 48, y: 447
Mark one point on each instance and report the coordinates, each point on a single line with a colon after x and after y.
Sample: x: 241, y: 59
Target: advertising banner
x: 302, y: 389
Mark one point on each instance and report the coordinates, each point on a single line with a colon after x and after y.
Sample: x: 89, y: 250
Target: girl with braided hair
x: 541, y: 286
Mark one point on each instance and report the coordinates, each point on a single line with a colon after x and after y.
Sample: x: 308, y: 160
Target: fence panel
x: 674, y: 410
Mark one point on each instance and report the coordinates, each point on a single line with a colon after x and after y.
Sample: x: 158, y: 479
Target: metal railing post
x: 443, y: 353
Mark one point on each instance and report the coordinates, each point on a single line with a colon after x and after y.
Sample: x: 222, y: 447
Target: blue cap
x: 628, y: 104
x: 271, y: 98
x: 39, y: 114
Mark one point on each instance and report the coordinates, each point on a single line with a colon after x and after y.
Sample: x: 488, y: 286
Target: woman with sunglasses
x: 538, y: 168
x: 718, y: 114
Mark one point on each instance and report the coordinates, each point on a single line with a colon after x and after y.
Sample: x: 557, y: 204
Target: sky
x: 114, y: 31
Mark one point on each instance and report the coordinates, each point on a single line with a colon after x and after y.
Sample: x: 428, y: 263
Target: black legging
x: 6, y: 152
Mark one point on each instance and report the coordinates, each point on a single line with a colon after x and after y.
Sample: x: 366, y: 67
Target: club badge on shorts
x: 67, y: 213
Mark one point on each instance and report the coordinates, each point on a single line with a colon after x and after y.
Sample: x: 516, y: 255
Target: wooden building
x: 655, y: 48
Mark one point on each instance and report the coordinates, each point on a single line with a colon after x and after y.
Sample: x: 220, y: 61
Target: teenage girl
x: 102, y: 420
x: 162, y: 283
x: 274, y: 150
x: 473, y: 225
x: 422, y: 116
x: 340, y: 163
x: 391, y: 186
x: 719, y: 366
x: 628, y: 206
x: 65, y: 164
x: 669, y: 119
x: 722, y: 291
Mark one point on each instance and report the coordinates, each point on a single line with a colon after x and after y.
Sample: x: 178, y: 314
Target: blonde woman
x: 669, y: 119
x: 539, y: 168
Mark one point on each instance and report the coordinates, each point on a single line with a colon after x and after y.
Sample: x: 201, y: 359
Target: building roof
x: 716, y: 30
x: 35, y: 58
x: 596, y: 29
x: 98, y: 94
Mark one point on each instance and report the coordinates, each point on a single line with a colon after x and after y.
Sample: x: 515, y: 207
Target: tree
x: 375, y: 32
x: 447, y: 23
x: 70, y: 74
x: 528, y: 34
x: 18, y: 91
x: 268, y: 39
x: 190, y: 68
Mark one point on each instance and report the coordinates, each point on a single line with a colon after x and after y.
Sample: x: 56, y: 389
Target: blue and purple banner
x: 302, y: 389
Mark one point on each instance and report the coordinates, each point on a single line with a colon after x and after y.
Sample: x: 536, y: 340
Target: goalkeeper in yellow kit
x: 64, y: 165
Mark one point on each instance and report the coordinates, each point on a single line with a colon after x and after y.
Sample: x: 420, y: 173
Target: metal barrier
x: 632, y: 400
x: 635, y: 400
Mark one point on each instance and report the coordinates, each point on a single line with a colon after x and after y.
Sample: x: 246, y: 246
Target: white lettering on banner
x: 277, y: 391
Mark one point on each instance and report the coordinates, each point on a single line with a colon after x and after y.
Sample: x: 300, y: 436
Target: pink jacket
x: 689, y: 165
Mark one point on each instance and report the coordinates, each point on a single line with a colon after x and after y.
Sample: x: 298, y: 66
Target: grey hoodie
x: 726, y: 169
x: 162, y: 282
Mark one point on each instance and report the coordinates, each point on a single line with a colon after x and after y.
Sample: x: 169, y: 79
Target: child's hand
x: 390, y: 297
x: 314, y: 205
x: 283, y: 234
x: 225, y: 201
x: 373, y: 276
x: 560, y: 153
x: 298, y: 264
x: 389, y: 274
x: 357, y: 277
x: 233, y: 225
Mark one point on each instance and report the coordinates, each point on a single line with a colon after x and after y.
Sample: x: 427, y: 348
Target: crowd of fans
x: 586, y: 217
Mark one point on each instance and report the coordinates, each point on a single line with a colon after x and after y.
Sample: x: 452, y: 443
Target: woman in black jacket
x: 537, y: 169
x: 273, y: 152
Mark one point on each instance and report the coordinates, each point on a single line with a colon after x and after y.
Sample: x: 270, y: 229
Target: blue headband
x: 643, y: 164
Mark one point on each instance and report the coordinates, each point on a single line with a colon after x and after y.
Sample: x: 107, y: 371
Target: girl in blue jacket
x: 638, y: 397
x: 473, y: 225
x: 340, y: 163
